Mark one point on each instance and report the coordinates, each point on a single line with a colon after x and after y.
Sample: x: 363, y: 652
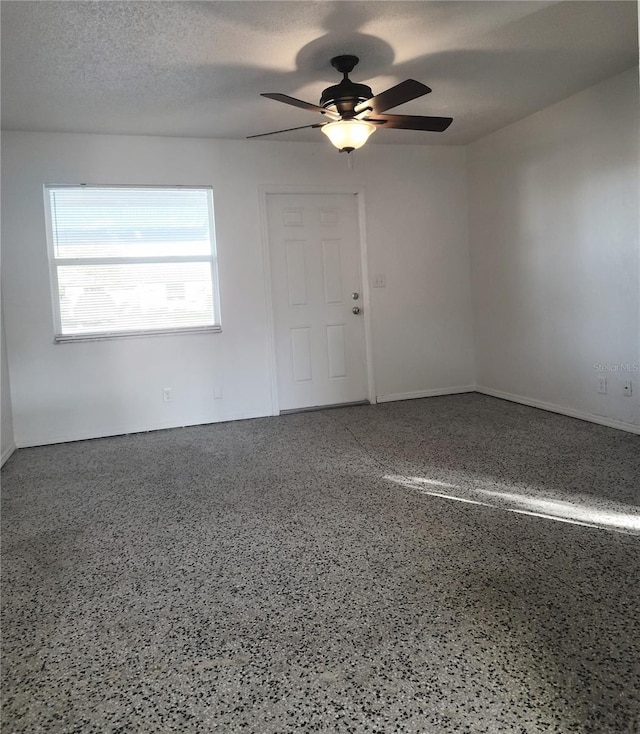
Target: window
x: 129, y: 261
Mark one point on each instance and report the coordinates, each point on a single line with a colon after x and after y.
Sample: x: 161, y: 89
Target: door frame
x: 265, y: 190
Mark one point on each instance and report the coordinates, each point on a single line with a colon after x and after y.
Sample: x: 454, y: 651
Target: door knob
x: 355, y: 296
x: 355, y: 310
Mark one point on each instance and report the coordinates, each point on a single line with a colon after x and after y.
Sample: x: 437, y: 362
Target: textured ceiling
x: 197, y: 68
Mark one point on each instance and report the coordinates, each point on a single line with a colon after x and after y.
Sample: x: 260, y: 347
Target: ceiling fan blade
x: 412, y: 122
x: 293, y: 102
x: 394, y: 96
x: 275, y: 132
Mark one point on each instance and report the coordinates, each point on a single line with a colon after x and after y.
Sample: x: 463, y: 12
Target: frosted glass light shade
x: 348, y: 134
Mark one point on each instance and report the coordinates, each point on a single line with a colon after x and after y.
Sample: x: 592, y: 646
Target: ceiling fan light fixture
x: 348, y: 135
x: 348, y: 105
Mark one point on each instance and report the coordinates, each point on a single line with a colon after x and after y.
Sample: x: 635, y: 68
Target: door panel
x: 336, y: 351
x: 331, y: 270
x: 296, y: 272
x: 315, y: 267
x: 301, y: 354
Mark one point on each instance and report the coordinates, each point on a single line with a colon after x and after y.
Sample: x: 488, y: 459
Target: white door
x: 314, y: 247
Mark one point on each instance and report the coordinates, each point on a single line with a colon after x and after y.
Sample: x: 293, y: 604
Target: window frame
x: 56, y: 262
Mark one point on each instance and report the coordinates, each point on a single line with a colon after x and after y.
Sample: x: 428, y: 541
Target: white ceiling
x: 197, y: 68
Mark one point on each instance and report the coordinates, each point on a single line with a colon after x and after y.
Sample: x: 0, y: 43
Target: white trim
x: 358, y: 191
x: 7, y: 453
x: 88, y: 336
x: 563, y: 410
x: 367, y: 301
x: 392, y: 397
x: 122, y: 430
x: 54, y: 285
x: 268, y: 299
x: 47, y: 438
x: 89, y: 185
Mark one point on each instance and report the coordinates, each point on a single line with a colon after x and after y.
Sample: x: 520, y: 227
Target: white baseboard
x: 45, y: 439
x: 64, y: 437
x: 424, y: 393
x: 571, y: 412
x: 6, y: 454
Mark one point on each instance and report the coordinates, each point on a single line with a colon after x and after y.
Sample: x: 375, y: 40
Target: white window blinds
x: 131, y: 260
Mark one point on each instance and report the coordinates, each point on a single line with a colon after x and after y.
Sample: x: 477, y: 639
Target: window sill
x: 104, y: 335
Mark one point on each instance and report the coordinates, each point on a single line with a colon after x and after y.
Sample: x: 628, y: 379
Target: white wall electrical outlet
x: 626, y: 388
x: 167, y: 394
x: 379, y: 281
x: 602, y: 385
x: 217, y: 392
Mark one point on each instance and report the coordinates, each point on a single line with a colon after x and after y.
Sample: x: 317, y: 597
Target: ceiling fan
x: 355, y: 112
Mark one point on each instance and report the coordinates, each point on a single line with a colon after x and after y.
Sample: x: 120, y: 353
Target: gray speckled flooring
x: 300, y: 574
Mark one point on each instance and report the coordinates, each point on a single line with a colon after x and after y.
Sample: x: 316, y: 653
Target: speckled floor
x: 365, y: 569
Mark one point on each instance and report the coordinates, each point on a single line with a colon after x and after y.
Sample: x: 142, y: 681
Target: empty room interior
x: 320, y: 367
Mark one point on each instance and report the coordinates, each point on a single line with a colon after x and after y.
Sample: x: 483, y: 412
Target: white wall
x: 416, y: 233
x: 553, y: 217
x: 7, y: 445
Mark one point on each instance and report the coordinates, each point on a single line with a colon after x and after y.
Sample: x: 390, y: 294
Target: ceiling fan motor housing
x: 345, y: 97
